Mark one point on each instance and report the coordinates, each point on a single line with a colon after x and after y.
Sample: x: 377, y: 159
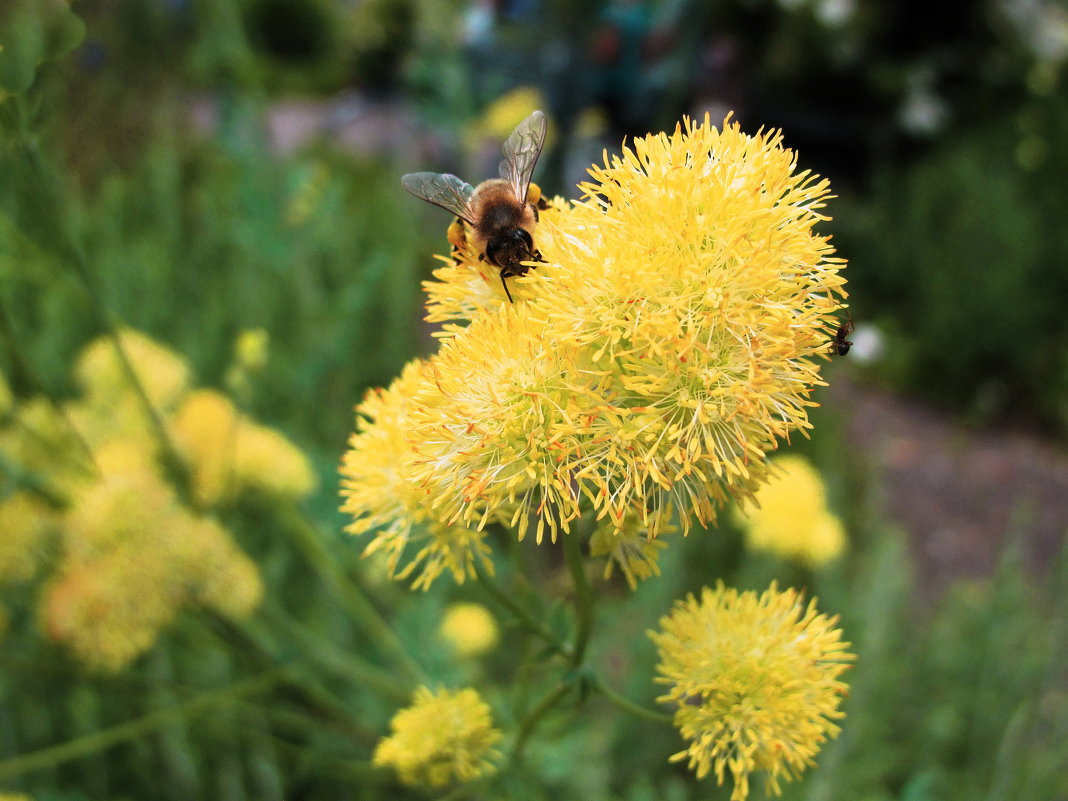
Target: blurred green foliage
x: 961, y: 257
x: 32, y: 31
x: 116, y: 211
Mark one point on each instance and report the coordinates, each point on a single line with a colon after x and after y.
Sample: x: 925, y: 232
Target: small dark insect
x: 499, y: 211
x: 840, y: 345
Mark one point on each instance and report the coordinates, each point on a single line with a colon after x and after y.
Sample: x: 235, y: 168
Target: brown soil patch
x: 960, y: 494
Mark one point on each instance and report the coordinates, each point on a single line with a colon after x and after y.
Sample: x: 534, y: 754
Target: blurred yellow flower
x: 591, y: 122
x: 132, y: 558
x: 250, y: 357
x: 204, y: 431
x: 217, y: 574
x: 163, y: 374
x: 630, y: 548
x: 267, y: 461
x: 109, y: 610
x: 469, y: 628
x: 791, y: 518
x: 227, y: 453
x: 40, y: 441
x: 25, y: 524
x: 754, y: 680
x: 443, y: 737
x: 506, y: 112
x: 384, y: 498
x: 250, y: 349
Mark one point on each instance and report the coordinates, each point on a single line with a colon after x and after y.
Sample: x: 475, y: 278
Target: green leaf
x: 32, y: 32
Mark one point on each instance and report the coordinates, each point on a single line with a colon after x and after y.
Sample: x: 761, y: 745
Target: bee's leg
x: 504, y: 283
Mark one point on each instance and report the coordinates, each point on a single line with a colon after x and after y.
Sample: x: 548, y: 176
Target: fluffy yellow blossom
x: 791, y: 517
x: 469, y: 628
x: 384, y: 498
x: 25, y: 524
x: 466, y: 285
x: 133, y: 557
x: 493, y: 427
x: 227, y: 453
x: 754, y: 680
x: 676, y: 329
x: 667, y: 343
x: 443, y: 737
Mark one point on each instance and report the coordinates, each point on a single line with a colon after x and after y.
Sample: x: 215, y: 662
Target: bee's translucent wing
x: 444, y: 190
x: 521, y: 152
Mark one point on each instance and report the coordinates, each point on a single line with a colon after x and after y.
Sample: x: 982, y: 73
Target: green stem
x: 583, y: 596
x: 529, y: 723
x: 22, y: 365
x: 467, y: 790
x: 355, y: 602
x: 627, y: 705
x: 43, y: 192
x: 529, y: 622
x: 33, y: 483
x: 327, y: 653
x: 136, y: 729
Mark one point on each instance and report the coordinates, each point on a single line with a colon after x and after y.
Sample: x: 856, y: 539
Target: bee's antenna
x: 504, y: 283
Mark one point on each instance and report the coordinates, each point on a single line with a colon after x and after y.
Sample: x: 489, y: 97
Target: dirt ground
x: 960, y: 494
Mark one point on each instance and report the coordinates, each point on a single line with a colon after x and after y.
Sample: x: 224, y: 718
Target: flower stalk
x: 521, y: 614
x: 139, y: 728
x: 584, y: 599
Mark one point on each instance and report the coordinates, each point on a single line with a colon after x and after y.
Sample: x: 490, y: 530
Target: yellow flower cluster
x: 442, y: 737
x: 377, y: 475
x: 754, y: 681
x: 228, y: 453
x: 791, y: 518
x: 132, y: 553
x: 133, y: 557
x: 25, y: 524
x: 667, y: 343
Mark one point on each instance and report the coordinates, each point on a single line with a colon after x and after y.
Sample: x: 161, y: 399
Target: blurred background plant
x: 213, y: 186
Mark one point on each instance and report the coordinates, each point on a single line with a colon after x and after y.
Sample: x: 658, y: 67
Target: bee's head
x: 509, y: 249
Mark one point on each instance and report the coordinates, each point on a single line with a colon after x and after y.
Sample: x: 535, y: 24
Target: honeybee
x: 499, y: 212
x: 840, y: 345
